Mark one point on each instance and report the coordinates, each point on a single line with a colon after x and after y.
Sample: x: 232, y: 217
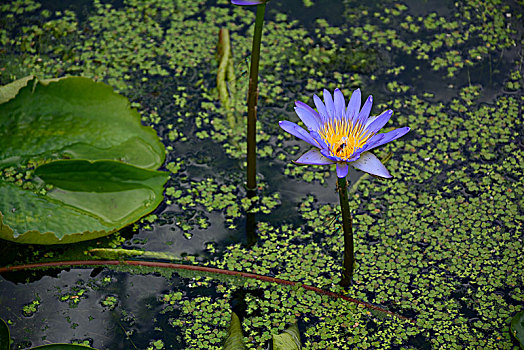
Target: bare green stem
x: 252, y: 98
x: 347, y: 225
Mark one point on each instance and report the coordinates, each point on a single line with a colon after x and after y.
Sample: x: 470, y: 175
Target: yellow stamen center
x: 343, y: 138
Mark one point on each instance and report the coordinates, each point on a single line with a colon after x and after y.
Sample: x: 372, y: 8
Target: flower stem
x: 196, y: 268
x: 347, y: 225
x: 252, y: 97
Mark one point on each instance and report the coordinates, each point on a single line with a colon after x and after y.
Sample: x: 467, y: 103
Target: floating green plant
x: 29, y: 309
x: 119, y: 253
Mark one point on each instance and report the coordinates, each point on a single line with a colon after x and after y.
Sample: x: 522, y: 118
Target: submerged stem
x: 204, y: 269
x: 347, y: 225
x: 252, y: 97
x: 225, y: 74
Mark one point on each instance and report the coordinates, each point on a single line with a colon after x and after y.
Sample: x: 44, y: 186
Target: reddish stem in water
x: 197, y: 268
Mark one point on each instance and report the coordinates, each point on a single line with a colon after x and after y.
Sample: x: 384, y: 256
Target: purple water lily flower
x: 342, y: 134
x: 248, y: 2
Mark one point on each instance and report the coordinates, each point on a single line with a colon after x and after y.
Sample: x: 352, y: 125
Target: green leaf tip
x: 289, y: 339
x: 235, y: 338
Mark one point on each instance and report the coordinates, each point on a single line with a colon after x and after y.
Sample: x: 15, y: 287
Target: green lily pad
x: 104, y: 178
x: 72, y: 117
x: 517, y: 328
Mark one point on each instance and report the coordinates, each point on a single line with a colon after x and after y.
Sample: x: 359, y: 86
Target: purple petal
x: 326, y: 154
x: 321, y: 142
x: 370, y: 120
x: 354, y: 156
x: 340, y: 104
x: 247, y: 2
x: 366, y: 109
x: 353, y: 105
x: 369, y: 163
x: 311, y: 110
x: 309, y: 117
x: 330, y: 106
x: 380, y: 139
x: 342, y: 169
x: 374, y: 124
x: 313, y: 157
x: 297, y: 131
x: 321, y: 108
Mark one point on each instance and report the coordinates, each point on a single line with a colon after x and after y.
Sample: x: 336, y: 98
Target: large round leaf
x: 104, y: 178
x: 72, y: 117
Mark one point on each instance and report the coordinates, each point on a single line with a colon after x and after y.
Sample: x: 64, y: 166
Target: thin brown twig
x: 165, y: 265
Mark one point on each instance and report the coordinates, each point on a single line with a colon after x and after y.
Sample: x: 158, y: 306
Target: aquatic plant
x: 343, y: 135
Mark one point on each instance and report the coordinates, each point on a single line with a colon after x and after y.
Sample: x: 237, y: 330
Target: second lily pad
x: 88, y: 200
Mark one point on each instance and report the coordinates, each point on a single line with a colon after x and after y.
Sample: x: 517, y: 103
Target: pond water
x: 440, y: 243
